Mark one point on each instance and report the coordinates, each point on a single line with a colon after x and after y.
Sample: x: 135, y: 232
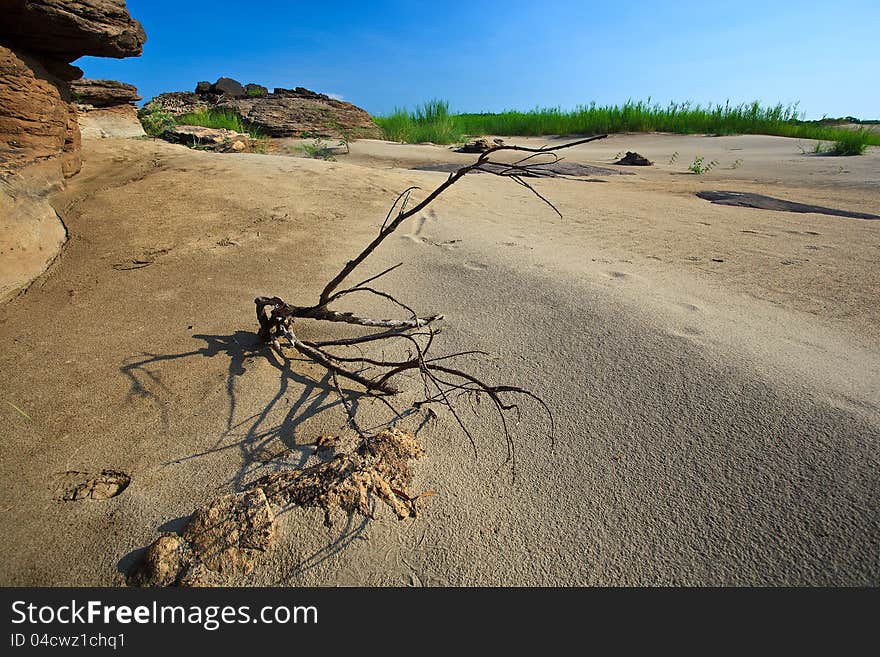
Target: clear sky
x: 490, y: 55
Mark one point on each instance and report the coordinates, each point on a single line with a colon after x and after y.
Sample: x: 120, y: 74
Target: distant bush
x: 851, y: 142
x: 155, y: 120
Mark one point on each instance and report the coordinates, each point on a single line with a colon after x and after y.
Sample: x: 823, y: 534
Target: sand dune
x: 714, y: 371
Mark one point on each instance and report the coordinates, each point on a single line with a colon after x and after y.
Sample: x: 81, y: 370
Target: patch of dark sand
x: 761, y: 202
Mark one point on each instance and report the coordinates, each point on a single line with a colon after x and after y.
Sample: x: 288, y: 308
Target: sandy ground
x: 714, y: 371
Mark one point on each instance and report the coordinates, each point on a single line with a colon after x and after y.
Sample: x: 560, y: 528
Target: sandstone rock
x: 31, y: 232
x: 228, y: 87
x: 118, y: 121
x: 203, y: 88
x: 294, y: 116
x: 196, y: 134
x: 105, y: 108
x: 67, y: 29
x: 39, y: 131
x: 103, y: 93
x: 33, y: 111
x: 283, y: 113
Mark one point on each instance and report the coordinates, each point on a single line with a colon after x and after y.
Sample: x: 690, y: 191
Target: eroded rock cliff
x: 39, y: 133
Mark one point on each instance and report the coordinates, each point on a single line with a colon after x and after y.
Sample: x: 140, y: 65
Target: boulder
x: 255, y: 91
x: 103, y: 93
x: 203, y: 88
x: 228, y: 87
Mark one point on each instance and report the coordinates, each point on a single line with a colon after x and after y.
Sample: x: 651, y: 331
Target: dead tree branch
x: 441, y: 383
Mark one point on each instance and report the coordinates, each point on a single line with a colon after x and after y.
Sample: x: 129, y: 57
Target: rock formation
x: 106, y: 108
x: 39, y: 134
x: 283, y: 113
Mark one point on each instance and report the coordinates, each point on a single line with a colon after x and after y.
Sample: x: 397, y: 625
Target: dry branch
x: 442, y: 384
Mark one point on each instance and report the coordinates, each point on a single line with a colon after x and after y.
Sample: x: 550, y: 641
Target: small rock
x: 634, y: 159
x: 203, y: 88
x: 238, y: 146
x: 480, y: 145
x: 165, y: 561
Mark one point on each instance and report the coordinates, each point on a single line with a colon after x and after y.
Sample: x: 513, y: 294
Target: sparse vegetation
x: 852, y: 142
x: 430, y: 122
x: 433, y: 122
x: 318, y: 149
x: 155, y: 120
x: 219, y: 118
x: 699, y: 168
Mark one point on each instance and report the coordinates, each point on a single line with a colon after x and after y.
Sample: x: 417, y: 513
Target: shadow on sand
x: 259, y: 439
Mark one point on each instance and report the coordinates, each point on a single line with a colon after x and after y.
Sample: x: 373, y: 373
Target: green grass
x: 852, y: 142
x: 433, y: 122
x: 430, y: 121
x: 219, y: 118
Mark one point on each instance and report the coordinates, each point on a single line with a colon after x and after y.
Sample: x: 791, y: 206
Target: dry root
x: 379, y: 468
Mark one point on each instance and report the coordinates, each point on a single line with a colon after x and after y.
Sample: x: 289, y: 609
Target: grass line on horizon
x: 433, y: 122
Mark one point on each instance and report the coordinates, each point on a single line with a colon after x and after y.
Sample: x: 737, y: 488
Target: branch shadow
x: 261, y: 440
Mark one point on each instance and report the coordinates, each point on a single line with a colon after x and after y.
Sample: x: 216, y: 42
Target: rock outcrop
x: 103, y: 93
x: 106, y: 108
x: 39, y: 133
x: 282, y: 113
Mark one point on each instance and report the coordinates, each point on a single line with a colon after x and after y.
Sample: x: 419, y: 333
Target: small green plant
x: 699, y: 168
x: 155, y: 120
x: 853, y: 142
x: 736, y: 164
x: 318, y: 149
x: 673, y: 158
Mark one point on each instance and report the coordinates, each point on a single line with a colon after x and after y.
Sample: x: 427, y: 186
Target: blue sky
x: 493, y: 55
